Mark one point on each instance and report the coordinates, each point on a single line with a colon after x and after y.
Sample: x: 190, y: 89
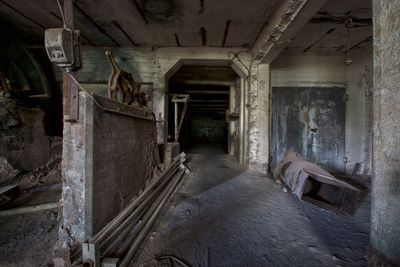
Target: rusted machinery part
x: 122, y: 86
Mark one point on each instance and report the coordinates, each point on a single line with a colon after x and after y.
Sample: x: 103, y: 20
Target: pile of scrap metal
x: 117, y: 243
x: 123, y: 88
x: 312, y: 184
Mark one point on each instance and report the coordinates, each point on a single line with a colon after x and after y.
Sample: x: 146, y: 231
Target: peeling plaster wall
x: 385, y: 214
x: 359, y: 114
x: 258, y: 122
x: 313, y: 70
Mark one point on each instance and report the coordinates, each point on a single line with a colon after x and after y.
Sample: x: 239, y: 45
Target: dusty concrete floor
x: 225, y: 216
x: 28, y: 239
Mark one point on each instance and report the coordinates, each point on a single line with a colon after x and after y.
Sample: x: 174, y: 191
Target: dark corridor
x: 205, y: 128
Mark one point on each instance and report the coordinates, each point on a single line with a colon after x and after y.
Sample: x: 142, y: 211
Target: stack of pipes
x: 117, y: 243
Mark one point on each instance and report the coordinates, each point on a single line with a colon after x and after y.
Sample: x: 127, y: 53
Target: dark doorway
x: 205, y: 127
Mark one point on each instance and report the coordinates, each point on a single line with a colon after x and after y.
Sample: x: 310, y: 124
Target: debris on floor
x: 312, y: 184
x: 28, y: 220
x: 23, y: 140
x: 7, y: 171
x: 30, y: 186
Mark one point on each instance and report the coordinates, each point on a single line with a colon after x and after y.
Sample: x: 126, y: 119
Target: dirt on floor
x: 223, y: 215
x: 28, y: 239
x: 30, y: 175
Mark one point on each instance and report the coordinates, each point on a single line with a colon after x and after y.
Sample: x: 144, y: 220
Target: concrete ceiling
x: 161, y: 23
x: 327, y: 31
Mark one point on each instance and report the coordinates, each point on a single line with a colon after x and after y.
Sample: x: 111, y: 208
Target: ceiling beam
x: 206, y: 92
x: 284, y: 23
x: 202, y: 82
x: 208, y: 101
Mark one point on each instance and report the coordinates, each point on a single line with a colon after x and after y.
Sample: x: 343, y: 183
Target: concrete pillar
x: 259, y: 117
x: 232, y: 96
x: 385, y: 214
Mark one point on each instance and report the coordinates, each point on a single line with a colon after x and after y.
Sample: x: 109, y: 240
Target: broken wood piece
x: 29, y: 209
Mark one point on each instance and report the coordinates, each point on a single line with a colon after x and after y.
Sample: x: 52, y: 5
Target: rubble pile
x: 30, y: 177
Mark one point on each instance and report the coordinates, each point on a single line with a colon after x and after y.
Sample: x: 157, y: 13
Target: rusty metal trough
x: 313, y: 184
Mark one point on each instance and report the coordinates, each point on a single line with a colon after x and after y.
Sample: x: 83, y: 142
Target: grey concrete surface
x: 385, y: 216
x: 226, y: 216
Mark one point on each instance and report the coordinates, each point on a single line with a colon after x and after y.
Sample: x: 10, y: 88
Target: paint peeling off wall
x: 258, y: 119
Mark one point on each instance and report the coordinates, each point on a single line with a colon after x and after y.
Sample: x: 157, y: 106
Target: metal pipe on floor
x: 120, y: 239
x: 130, y: 208
x: 149, y: 212
x: 135, y: 215
x: 146, y: 227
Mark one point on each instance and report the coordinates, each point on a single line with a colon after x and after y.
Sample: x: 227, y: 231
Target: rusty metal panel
x: 310, y: 120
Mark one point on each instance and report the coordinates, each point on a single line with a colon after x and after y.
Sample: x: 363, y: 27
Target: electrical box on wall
x: 62, y: 46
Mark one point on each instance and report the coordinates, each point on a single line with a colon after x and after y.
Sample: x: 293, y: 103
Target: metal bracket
x: 90, y: 255
x: 179, y: 99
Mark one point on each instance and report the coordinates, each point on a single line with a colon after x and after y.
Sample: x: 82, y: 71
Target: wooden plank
x: 70, y: 88
x: 29, y: 209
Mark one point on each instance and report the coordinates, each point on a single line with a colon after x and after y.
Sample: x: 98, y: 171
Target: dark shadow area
x: 361, y: 183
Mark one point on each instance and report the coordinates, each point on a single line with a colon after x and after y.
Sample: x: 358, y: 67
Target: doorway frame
x: 243, y: 108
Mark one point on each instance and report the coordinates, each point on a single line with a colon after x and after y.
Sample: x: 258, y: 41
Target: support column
x: 231, y: 141
x: 259, y: 117
x: 385, y: 214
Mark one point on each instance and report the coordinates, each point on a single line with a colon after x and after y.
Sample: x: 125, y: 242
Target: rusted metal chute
x: 312, y: 184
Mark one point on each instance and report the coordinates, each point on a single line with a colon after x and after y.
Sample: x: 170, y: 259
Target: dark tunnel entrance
x: 205, y: 128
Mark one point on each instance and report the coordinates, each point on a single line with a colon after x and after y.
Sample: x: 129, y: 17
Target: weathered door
x: 312, y: 122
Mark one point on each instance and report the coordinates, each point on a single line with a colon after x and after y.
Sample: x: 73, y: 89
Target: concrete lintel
x: 282, y: 26
x: 207, y: 82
